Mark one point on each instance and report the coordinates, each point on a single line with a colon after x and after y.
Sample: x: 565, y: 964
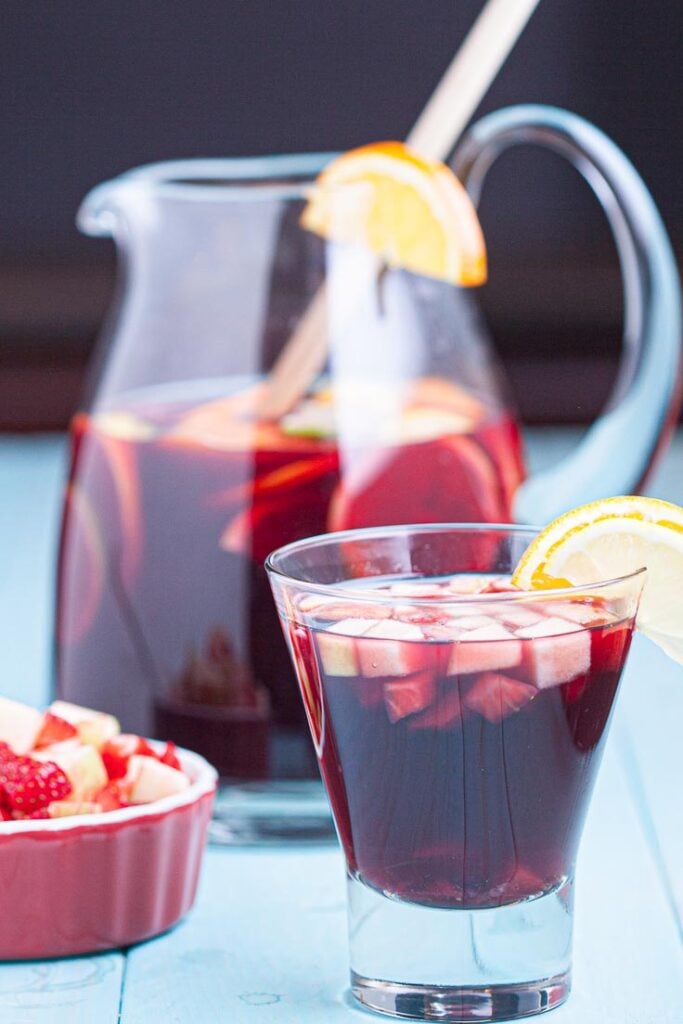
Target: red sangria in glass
x: 459, y: 723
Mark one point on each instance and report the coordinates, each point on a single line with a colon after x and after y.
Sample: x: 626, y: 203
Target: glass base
x: 272, y: 812
x: 461, y: 1004
x: 493, y: 964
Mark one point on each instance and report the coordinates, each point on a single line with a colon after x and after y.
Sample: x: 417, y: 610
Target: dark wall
x: 91, y: 87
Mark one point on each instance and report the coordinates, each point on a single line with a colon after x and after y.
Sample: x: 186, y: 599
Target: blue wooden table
x: 266, y: 941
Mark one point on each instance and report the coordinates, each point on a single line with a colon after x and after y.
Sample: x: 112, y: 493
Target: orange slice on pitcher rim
x: 412, y: 212
x: 611, y: 538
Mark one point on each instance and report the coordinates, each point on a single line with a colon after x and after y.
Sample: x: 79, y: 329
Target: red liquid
x: 461, y: 788
x: 165, y: 617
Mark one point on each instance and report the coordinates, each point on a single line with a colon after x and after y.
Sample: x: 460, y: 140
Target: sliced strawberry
x: 53, y: 730
x: 446, y: 711
x: 404, y: 697
x: 495, y: 696
x: 6, y: 752
x: 29, y: 785
x: 111, y: 797
x: 118, y: 750
x: 170, y: 757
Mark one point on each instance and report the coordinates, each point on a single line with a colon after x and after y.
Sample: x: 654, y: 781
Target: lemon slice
x: 411, y: 212
x: 611, y: 538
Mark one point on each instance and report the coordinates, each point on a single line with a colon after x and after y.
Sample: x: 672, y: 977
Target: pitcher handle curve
x: 618, y: 450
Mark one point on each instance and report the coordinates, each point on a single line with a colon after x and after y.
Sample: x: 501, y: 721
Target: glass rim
x: 371, y: 595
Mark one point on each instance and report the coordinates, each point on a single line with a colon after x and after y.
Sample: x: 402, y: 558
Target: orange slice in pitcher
x: 413, y: 213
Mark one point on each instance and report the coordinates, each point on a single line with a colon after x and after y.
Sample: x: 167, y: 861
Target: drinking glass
x: 458, y: 734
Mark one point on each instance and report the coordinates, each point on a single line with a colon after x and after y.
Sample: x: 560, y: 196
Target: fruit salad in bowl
x: 101, y: 833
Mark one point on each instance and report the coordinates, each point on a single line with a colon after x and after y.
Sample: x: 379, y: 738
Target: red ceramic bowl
x: 99, y: 881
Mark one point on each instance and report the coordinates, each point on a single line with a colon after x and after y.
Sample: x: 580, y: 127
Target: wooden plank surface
x: 84, y: 990
x: 267, y: 939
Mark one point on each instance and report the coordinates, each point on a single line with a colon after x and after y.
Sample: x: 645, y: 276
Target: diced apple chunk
x: 66, y: 808
x: 93, y: 727
x: 519, y: 615
x: 485, y: 649
x: 583, y: 613
x: 468, y: 622
x: 418, y: 590
x: 556, y: 651
x: 339, y: 611
x: 468, y: 583
x: 407, y: 696
x: 387, y: 649
x: 19, y: 725
x: 337, y: 648
x: 495, y: 695
x: 82, y: 765
x: 151, y: 780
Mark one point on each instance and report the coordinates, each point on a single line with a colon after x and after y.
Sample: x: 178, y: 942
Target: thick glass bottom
x: 461, y: 1004
x: 275, y: 811
x: 492, y: 964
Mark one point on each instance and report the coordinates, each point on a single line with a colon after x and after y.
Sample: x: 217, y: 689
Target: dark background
x: 89, y: 88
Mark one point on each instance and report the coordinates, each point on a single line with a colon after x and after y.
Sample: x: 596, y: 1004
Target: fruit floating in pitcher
x: 71, y: 760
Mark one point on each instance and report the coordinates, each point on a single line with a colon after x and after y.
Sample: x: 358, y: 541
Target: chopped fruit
x: 420, y: 590
x: 28, y: 785
x: 93, y: 727
x: 170, y: 757
x: 53, y: 730
x: 336, y: 648
x: 467, y: 584
x: 439, y: 393
x: 331, y: 611
x: 446, y: 710
x: 151, y: 780
x: 427, y: 424
x: 451, y: 478
x: 65, y: 774
x: 117, y: 752
x: 382, y: 651
x: 67, y: 808
x: 111, y: 797
x: 494, y: 695
x: 411, y: 212
x: 19, y: 725
x: 469, y: 622
x: 82, y: 765
x: 609, y: 539
x: 407, y: 696
x: 421, y: 616
x: 586, y: 613
x: 514, y: 614
x: 485, y: 649
x: 559, y: 651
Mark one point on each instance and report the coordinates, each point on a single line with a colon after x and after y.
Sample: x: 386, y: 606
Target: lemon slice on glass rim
x: 610, y: 538
x: 412, y: 212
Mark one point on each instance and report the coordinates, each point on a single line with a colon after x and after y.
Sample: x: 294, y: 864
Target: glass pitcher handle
x: 618, y: 450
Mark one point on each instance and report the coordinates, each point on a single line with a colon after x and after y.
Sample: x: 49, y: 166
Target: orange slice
x: 413, y: 213
x: 610, y: 538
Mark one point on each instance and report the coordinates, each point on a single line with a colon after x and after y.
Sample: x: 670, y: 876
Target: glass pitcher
x: 178, y: 489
